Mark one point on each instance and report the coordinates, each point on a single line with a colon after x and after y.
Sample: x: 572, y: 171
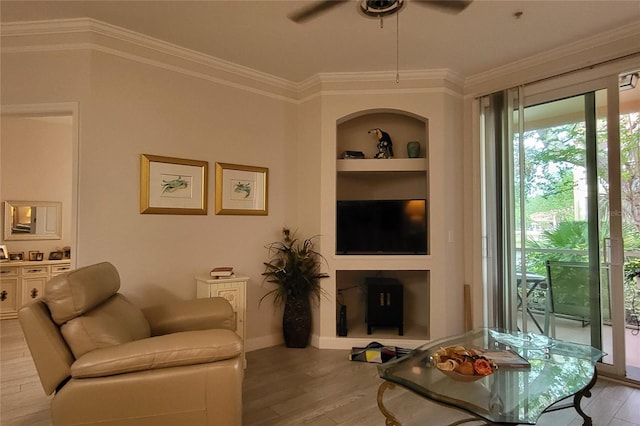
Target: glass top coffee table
x: 513, y: 394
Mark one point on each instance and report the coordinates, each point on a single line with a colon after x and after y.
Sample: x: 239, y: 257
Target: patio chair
x: 570, y: 296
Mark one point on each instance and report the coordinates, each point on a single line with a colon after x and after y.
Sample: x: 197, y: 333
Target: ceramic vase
x: 413, y: 149
x: 296, y: 322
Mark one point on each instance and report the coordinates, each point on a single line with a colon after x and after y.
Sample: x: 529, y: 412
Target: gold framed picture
x: 242, y: 190
x: 171, y: 185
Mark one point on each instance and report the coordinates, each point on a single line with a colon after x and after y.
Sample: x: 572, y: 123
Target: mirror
x: 32, y: 220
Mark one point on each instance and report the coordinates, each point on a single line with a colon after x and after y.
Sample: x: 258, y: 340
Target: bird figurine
x: 385, y: 146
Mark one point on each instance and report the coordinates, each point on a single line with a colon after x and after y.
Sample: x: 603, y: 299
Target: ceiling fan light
x: 379, y: 8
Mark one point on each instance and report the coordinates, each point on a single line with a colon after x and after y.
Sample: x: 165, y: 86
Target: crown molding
x: 410, y: 75
x: 85, y: 33
x: 113, y: 39
x: 381, y: 77
x: 381, y: 83
x: 589, y: 51
x: 90, y: 34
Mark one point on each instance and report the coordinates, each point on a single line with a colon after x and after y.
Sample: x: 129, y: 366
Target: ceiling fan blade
x: 311, y: 11
x: 452, y: 6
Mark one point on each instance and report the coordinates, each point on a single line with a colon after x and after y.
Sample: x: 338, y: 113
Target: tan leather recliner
x: 110, y: 363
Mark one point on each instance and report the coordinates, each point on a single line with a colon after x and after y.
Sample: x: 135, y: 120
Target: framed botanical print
x: 172, y: 185
x: 241, y: 190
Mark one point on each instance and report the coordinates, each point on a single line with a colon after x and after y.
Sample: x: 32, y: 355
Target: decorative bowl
x: 450, y: 361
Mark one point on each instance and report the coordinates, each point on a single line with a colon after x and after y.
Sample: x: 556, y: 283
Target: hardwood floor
x: 302, y: 387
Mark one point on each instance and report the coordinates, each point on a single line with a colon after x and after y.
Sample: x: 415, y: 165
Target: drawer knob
x: 3, y: 295
x: 34, y: 293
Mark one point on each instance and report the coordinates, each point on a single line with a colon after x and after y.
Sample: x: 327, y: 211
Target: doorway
x: 40, y: 163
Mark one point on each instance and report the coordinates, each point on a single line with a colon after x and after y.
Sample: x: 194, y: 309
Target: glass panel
x: 560, y: 182
x: 630, y: 182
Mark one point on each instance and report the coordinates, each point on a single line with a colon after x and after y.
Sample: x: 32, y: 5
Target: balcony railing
x: 537, y: 289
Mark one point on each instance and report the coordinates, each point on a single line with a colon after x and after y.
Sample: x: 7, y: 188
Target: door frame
x: 59, y: 109
x: 548, y: 91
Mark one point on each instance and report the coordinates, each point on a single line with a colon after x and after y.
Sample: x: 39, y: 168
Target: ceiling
x: 258, y: 34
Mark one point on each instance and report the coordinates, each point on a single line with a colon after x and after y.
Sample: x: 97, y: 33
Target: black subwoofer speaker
x: 342, y: 321
x: 385, y: 303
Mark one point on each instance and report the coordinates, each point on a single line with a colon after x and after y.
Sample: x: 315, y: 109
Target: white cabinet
x: 59, y: 268
x: 9, y: 296
x: 233, y: 289
x: 22, y: 282
x: 33, y: 279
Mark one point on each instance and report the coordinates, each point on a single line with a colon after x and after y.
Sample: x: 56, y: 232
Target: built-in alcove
x: 370, y: 179
x: 403, y: 127
x: 393, y: 185
x: 352, y: 293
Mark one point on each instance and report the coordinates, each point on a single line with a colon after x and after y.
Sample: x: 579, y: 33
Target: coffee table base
x: 577, y: 399
x: 391, y: 420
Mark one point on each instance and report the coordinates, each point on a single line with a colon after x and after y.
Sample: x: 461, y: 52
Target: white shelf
x: 382, y: 165
x: 358, y: 330
x: 382, y: 262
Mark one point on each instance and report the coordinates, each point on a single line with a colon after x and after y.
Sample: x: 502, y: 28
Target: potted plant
x: 294, y: 267
x: 632, y: 268
x: 631, y: 287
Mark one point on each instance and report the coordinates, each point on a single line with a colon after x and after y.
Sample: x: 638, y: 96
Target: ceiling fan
x: 375, y: 8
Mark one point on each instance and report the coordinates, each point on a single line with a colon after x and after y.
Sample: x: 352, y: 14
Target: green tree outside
x: 552, y: 157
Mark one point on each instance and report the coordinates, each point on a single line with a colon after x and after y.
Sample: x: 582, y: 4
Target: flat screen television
x: 381, y: 227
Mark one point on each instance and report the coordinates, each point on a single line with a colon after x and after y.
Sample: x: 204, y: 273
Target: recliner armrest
x: 178, y: 349
x: 198, y: 314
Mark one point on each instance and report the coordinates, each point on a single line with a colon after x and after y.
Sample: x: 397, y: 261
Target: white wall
x: 306, y: 172
x: 126, y: 109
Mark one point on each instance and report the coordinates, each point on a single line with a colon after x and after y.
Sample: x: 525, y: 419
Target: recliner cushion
x: 169, y: 350
x: 114, y: 322
x: 76, y: 292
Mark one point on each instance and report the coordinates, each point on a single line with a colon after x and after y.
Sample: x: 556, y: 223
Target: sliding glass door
x: 556, y: 249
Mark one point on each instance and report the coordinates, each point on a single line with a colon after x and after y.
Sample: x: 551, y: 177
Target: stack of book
x: 222, y: 272
x: 506, y: 358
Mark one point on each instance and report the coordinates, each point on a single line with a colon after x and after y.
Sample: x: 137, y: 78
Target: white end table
x: 234, y: 289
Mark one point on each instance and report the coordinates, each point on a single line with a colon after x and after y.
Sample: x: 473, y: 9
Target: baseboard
x: 620, y: 380
x: 263, y: 342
